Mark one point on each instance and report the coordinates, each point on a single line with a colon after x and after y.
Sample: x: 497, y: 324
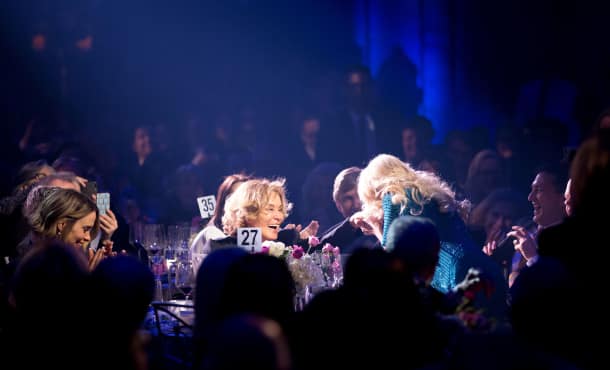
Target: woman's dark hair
x: 224, y: 190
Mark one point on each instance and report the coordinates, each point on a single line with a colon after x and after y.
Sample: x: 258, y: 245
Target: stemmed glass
x: 154, y: 241
x: 185, y: 274
x: 136, y: 234
x: 177, y: 239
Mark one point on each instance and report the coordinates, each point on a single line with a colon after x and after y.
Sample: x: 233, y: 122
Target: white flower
x: 276, y: 249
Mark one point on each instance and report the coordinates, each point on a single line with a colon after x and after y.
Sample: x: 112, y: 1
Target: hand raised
x: 310, y: 230
x: 108, y: 225
x: 524, y: 242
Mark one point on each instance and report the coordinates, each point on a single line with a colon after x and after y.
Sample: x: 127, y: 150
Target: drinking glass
x: 154, y: 241
x: 185, y: 274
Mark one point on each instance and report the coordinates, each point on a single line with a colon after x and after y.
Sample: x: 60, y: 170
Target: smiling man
x: 345, y: 194
x: 547, y: 198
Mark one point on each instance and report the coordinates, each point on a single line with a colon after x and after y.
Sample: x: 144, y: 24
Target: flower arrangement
x: 304, y: 270
x: 311, y: 271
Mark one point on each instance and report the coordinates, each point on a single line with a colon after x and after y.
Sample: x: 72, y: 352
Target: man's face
x: 547, y: 200
x: 348, y: 203
x: 309, y: 131
x: 141, y: 142
x: 409, y: 144
x: 359, y: 89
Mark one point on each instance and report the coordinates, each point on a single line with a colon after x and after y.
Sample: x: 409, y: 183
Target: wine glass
x: 154, y: 241
x: 177, y: 243
x: 136, y: 234
x: 185, y: 276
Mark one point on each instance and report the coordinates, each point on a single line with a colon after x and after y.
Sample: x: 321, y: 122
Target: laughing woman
x: 69, y: 216
x: 256, y: 203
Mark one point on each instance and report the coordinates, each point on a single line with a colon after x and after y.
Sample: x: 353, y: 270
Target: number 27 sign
x: 250, y: 238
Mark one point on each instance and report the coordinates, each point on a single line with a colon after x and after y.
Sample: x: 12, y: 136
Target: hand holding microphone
x: 524, y: 242
x: 502, y: 250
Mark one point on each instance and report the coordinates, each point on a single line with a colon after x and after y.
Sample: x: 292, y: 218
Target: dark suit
x: 352, y: 140
x: 581, y: 247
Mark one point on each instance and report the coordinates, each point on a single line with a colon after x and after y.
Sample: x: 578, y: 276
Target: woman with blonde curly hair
x: 389, y: 184
x: 389, y: 188
x: 255, y: 203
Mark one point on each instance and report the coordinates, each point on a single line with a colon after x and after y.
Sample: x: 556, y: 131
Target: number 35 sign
x: 207, y: 205
x: 250, y: 238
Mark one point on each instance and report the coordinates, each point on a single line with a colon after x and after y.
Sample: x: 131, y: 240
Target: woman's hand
x: 108, y: 225
x: 95, y: 257
x: 82, y: 182
x: 493, y: 237
x: 310, y: 230
x: 104, y: 251
x: 369, y: 224
x: 490, y: 247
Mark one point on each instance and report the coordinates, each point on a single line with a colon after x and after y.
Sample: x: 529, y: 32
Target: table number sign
x: 250, y: 238
x: 207, y: 205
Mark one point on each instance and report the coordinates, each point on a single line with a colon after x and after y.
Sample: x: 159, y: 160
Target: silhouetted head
x: 415, y: 243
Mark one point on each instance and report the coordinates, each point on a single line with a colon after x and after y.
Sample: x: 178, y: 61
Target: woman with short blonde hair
x: 257, y: 203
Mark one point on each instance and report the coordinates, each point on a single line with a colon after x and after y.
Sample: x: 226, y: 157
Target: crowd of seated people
x: 423, y: 230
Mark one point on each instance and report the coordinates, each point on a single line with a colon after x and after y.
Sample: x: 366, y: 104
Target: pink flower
x: 336, y: 266
x: 314, y: 241
x: 327, y: 248
x: 336, y: 251
x: 297, y: 252
x: 265, y: 249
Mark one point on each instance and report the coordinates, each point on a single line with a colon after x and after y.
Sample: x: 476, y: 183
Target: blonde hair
x: 49, y: 206
x: 388, y: 174
x: 244, y: 205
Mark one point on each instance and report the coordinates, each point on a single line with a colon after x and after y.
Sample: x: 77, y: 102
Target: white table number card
x: 103, y: 202
x: 207, y: 205
x: 250, y: 238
